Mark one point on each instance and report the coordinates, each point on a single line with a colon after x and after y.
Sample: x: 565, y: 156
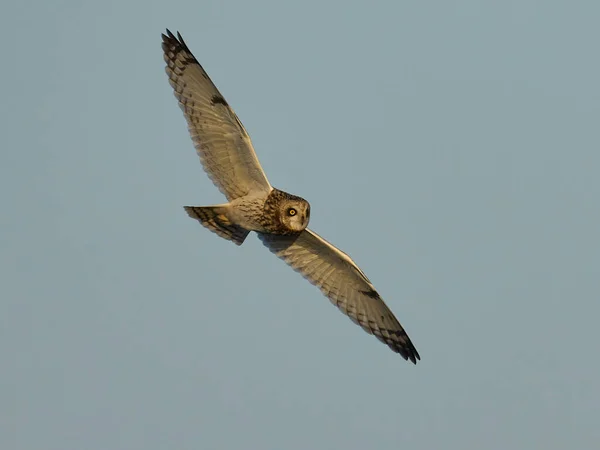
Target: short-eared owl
x: 280, y: 219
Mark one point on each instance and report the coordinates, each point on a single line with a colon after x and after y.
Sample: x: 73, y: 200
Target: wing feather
x: 221, y: 141
x: 346, y: 286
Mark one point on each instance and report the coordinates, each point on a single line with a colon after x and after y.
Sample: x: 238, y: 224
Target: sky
x: 451, y: 148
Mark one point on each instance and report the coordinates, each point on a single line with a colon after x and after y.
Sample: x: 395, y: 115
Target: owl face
x: 294, y: 214
x: 284, y: 213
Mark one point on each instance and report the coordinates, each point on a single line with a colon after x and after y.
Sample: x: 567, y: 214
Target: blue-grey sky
x: 452, y: 148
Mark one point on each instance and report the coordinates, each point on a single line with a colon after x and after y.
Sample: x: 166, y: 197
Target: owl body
x: 277, y: 213
x: 247, y: 211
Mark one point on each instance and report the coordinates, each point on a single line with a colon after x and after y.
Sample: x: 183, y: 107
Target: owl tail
x: 215, y: 219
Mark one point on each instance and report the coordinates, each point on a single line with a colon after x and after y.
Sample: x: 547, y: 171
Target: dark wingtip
x: 404, y: 346
x: 176, y: 44
x: 415, y: 357
x: 170, y: 37
x: 411, y: 354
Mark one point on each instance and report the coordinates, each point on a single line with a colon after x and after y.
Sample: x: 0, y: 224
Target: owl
x: 279, y: 219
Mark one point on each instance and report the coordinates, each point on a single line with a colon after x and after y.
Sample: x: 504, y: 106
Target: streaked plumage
x: 280, y: 219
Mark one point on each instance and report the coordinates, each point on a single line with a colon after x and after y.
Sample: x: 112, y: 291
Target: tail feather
x: 215, y: 219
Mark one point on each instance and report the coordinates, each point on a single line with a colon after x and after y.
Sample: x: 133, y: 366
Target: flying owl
x: 279, y: 219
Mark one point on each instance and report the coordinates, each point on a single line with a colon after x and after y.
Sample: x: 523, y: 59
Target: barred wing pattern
x: 221, y: 141
x: 340, y: 280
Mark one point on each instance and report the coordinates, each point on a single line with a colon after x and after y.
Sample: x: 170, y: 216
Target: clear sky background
x: 451, y: 147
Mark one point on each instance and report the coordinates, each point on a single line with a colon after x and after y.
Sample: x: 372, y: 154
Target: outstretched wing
x: 220, y: 139
x: 340, y: 279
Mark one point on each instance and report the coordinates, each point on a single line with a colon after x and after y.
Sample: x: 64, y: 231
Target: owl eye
x: 291, y: 212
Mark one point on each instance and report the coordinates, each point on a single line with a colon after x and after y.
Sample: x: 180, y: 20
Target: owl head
x: 285, y: 213
x: 294, y: 213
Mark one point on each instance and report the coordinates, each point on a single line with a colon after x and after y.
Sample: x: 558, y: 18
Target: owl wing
x: 221, y: 140
x: 340, y: 279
